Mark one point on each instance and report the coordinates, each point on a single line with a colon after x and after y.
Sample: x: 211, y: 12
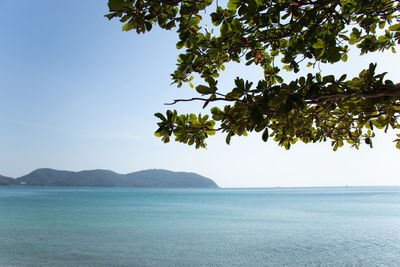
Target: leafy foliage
x: 276, y: 36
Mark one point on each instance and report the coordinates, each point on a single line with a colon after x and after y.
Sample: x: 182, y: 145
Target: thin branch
x: 392, y: 91
x: 202, y: 99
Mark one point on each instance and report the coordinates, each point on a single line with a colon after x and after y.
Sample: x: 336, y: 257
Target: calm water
x: 54, y: 226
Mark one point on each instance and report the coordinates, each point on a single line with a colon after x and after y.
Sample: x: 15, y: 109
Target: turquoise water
x: 55, y: 226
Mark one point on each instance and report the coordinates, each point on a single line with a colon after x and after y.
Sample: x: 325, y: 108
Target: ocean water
x: 59, y: 226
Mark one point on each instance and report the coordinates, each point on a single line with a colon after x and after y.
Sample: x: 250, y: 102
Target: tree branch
x: 202, y: 99
x: 391, y: 91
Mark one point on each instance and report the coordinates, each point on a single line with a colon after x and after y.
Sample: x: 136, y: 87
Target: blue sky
x: 78, y: 93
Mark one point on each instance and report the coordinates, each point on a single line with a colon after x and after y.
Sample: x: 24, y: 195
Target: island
x: 106, y: 178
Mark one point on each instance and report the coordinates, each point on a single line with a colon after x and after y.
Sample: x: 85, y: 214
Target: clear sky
x: 78, y: 93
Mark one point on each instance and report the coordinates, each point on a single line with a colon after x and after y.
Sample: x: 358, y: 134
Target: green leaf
x: 127, y: 27
x: 216, y: 18
x: 334, y: 54
x: 115, y: 4
x: 265, y: 135
x: 398, y: 144
x: 192, y: 118
x: 148, y: 25
x: 110, y: 16
x: 329, y: 78
x: 228, y: 138
x: 180, y: 44
x: 160, y: 116
x: 302, y: 81
x: 318, y: 44
x: 335, y: 147
x: 380, y: 122
x: 395, y: 27
x: 233, y: 5
x: 205, y: 90
x: 383, y: 38
x: 342, y: 78
x: 158, y: 134
x: 255, y: 114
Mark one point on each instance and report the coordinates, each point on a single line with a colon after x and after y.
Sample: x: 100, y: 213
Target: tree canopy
x: 276, y: 35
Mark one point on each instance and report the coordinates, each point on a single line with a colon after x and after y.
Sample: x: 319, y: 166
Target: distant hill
x: 107, y: 178
x: 164, y: 178
x: 6, y: 180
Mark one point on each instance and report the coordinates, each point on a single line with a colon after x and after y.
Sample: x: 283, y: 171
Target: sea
x: 331, y: 226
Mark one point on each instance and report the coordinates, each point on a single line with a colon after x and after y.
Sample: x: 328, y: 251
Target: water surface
x: 60, y: 226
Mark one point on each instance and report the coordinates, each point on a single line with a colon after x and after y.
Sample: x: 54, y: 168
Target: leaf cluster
x: 275, y: 36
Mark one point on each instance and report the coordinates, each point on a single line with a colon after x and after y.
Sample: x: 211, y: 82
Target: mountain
x: 6, y: 180
x: 164, y: 178
x: 107, y: 178
x: 50, y: 177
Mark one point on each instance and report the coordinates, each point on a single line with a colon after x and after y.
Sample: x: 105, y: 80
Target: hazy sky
x: 78, y: 93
